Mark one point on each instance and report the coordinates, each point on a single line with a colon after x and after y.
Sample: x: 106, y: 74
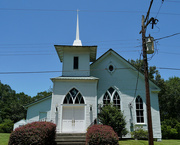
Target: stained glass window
x: 73, y: 97
x: 112, y: 96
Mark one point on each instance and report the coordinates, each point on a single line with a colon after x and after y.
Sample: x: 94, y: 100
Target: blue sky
x: 30, y: 29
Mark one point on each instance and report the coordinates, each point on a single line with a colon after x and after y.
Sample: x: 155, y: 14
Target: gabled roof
x: 126, y: 62
x: 37, y: 101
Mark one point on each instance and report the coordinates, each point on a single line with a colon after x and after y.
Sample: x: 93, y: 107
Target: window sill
x: 141, y: 124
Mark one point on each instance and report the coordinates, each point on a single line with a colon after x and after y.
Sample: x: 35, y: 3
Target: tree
x: 11, y: 104
x: 153, y: 73
x: 7, y: 95
x: 41, y: 95
x: 112, y: 116
x: 169, y: 99
x: 18, y: 111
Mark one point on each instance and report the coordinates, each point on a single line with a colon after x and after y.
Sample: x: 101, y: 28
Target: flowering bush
x: 101, y: 135
x: 36, y: 133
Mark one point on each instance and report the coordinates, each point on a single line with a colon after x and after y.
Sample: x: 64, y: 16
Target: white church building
x: 87, y: 83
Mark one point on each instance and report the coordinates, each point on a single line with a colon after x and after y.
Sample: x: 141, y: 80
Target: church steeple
x: 76, y: 58
x: 77, y: 42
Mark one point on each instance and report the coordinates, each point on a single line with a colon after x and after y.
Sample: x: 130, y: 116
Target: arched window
x: 112, y: 96
x: 139, y: 110
x: 106, y: 99
x: 73, y: 97
x: 116, y: 101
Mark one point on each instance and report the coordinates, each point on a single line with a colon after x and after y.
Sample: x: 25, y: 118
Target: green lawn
x: 142, y: 142
x: 4, y: 138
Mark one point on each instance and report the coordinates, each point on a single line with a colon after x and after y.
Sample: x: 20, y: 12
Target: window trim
x: 111, y: 96
x: 113, y: 68
x: 76, y: 62
x: 139, y: 109
x: 74, y: 98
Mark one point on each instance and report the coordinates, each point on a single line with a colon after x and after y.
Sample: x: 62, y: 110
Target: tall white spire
x: 77, y: 42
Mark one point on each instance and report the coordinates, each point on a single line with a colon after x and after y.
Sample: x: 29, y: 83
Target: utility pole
x: 148, y: 103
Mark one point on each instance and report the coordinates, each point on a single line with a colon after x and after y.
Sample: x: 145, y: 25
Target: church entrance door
x: 73, y: 119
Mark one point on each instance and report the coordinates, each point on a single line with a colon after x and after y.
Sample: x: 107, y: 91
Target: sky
x: 30, y: 29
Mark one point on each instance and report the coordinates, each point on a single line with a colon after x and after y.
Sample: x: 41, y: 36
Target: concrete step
x: 70, y: 143
x: 70, y: 139
x: 70, y: 134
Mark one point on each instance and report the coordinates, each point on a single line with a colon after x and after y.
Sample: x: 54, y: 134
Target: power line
x: 55, y: 10
x: 159, y: 9
x: 40, y: 72
x: 166, y: 68
x: 23, y: 54
x: 137, y: 80
x: 172, y: 1
x: 95, y: 11
x: 166, y: 36
x: 18, y: 53
x: 171, y: 53
x: 58, y: 10
x: 71, y: 42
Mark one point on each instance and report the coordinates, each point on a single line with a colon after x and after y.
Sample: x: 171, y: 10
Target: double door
x: 73, y: 119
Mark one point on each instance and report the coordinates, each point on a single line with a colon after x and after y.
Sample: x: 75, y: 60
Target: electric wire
x: 71, y: 42
x: 166, y: 36
x: 122, y: 51
x: 58, y: 10
x: 172, y: 1
x: 137, y: 79
x: 40, y: 72
x: 94, y: 11
x: 159, y: 9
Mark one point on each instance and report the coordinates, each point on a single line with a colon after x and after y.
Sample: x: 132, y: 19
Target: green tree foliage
x: 6, y: 126
x: 41, y: 95
x: 112, y: 116
x: 169, y: 99
x: 17, y: 106
x: 6, y: 97
x: 12, y: 105
x: 170, y: 129
x: 153, y: 73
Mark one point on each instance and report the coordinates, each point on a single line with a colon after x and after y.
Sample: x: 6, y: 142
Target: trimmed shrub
x: 139, y: 133
x: 101, y: 135
x: 36, y: 133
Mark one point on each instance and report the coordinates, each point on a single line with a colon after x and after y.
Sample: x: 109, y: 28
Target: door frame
x: 72, y: 105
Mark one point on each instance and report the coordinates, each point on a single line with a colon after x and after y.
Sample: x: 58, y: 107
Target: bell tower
x: 76, y: 58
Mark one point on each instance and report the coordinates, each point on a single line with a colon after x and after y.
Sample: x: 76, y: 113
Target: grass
x: 144, y: 142
x: 4, y: 138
